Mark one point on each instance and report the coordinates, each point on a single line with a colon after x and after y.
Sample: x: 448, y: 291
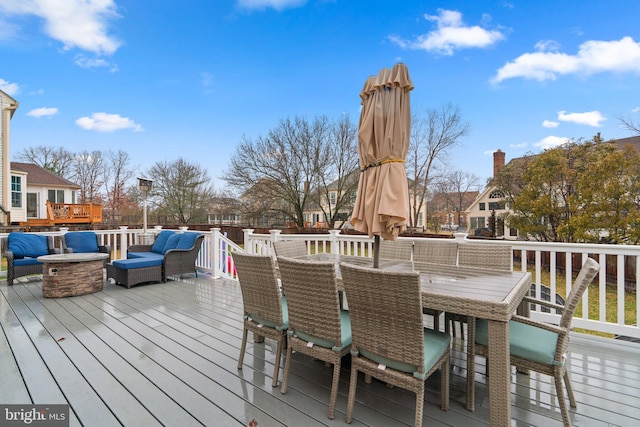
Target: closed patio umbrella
x: 382, y: 201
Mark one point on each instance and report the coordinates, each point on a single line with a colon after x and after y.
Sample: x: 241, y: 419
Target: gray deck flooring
x: 166, y: 354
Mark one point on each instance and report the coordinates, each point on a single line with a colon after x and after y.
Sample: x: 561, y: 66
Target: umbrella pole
x: 376, y: 251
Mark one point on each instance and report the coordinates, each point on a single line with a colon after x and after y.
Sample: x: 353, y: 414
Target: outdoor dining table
x: 481, y: 293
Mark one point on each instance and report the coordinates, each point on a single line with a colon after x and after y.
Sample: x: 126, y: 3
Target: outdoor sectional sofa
x: 172, y: 253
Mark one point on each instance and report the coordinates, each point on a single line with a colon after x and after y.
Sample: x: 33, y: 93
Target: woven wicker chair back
x: 435, y: 252
x: 313, y: 303
x: 290, y: 248
x: 259, y: 285
x: 386, y: 313
x: 496, y: 257
x: 396, y: 249
x: 584, y: 278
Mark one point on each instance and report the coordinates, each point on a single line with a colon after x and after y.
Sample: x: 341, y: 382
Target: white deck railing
x: 215, y: 259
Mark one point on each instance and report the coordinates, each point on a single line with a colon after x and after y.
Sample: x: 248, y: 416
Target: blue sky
x: 165, y: 79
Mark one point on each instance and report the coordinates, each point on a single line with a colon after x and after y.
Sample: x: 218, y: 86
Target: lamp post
x: 145, y: 186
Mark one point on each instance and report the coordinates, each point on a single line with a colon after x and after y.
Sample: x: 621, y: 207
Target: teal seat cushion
x: 525, y: 341
x: 27, y: 245
x: 25, y: 261
x: 171, y: 243
x: 269, y: 323
x: 126, y: 264
x: 435, y: 344
x: 82, y: 241
x: 345, y: 329
x: 161, y: 240
x: 187, y: 240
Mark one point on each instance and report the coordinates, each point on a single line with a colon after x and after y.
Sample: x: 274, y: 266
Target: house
x: 32, y: 187
x: 8, y: 107
x: 448, y: 210
x: 489, y: 209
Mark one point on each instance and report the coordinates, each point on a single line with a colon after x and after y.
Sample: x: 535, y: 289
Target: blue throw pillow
x: 187, y: 240
x: 28, y: 245
x: 161, y: 241
x: 82, y: 241
x: 172, y: 242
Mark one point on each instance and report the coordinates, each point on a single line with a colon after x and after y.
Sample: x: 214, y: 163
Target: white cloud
x: 104, y: 122
x: 550, y: 124
x: 451, y: 34
x: 85, y: 62
x: 275, y: 4
x: 75, y: 23
x: 636, y: 110
x: 551, y: 141
x: 590, y: 118
x: 9, y: 88
x: 42, y: 112
x: 593, y: 57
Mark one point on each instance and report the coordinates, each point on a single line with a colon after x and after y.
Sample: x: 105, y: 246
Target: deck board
x: 166, y: 354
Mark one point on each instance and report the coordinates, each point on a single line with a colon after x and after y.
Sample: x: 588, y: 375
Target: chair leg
x: 444, y: 386
x: 243, y: 347
x: 276, y: 368
x: 353, y: 382
x: 561, y: 401
x: 567, y: 383
x: 419, y: 406
x: 471, y: 362
x: 285, y: 374
x: 334, y: 390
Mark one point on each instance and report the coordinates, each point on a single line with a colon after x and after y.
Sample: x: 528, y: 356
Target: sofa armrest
x: 9, y: 255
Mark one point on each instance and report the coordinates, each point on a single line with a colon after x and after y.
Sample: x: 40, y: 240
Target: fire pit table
x: 73, y: 274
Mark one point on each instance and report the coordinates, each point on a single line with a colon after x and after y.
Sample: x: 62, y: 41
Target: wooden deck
x: 166, y: 354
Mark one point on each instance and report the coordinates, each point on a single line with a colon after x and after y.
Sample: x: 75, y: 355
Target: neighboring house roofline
x: 42, y: 177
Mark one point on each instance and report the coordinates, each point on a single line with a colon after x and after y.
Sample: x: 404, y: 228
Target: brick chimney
x: 498, y: 162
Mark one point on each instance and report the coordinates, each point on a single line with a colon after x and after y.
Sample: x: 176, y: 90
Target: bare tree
x: 432, y: 135
x: 56, y: 160
x: 117, y: 174
x: 459, y: 184
x: 182, y: 191
x: 286, y: 162
x: 88, y: 174
x: 629, y: 124
x: 337, y: 180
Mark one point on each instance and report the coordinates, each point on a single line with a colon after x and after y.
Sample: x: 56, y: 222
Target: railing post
x: 333, y: 241
x: 248, y: 240
x: 215, y: 252
x: 123, y: 242
x: 275, y: 237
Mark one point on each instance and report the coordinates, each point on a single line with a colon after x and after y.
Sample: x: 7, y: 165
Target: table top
x: 484, y: 293
x: 73, y: 257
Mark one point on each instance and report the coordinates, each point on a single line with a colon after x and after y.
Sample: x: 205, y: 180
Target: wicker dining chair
x: 265, y: 309
x: 480, y: 255
x: 535, y: 346
x: 317, y: 325
x: 389, y: 340
x: 400, y: 249
x: 290, y: 248
x: 435, y: 252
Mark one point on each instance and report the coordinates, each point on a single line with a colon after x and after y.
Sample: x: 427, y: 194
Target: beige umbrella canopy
x: 382, y: 201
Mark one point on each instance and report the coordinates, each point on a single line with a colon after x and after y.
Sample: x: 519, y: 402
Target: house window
x: 420, y: 219
x: 332, y: 198
x: 55, y: 196
x: 16, y: 192
x: 476, y: 222
x: 495, y: 206
x: 482, y: 206
x: 497, y: 194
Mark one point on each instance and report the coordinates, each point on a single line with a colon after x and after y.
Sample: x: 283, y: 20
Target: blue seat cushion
x: 145, y: 255
x: 171, y: 243
x: 435, y: 344
x: 82, y: 241
x: 345, y: 332
x: 25, y: 261
x: 161, y: 240
x: 271, y: 324
x: 187, y: 240
x: 27, y: 245
x: 525, y: 341
x: 126, y: 264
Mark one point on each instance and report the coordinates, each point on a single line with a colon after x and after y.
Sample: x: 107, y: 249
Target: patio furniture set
x: 383, y: 328
x: 78, y: 268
